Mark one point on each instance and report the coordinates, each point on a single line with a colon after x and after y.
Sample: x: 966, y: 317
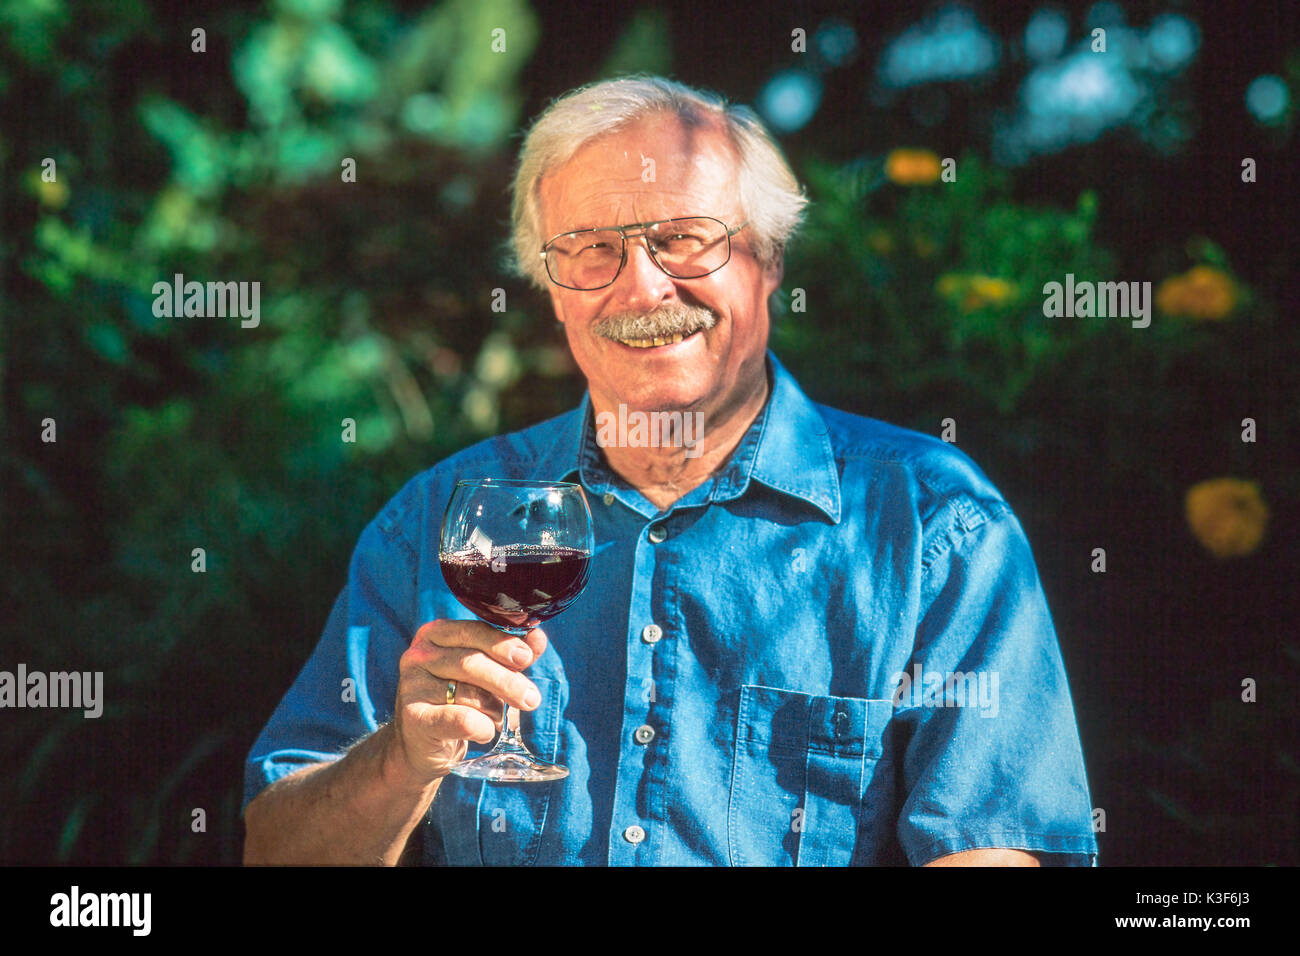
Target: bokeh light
x: 1267, y: 98
x: 1046, y: 35
x: 951, y: 45
x: 790, y: 99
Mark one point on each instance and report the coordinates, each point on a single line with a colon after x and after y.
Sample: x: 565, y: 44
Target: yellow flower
x: 1202, y: 292
x: 912, y: 167
x: 1227, y: 516
x: 52, y: 195
x: 880, y: 242
x: 971, y: 292
x: 986, y: 290
x: 924, y: 246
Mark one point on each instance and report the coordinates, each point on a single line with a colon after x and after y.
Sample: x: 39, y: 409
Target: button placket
x: 636, y: 777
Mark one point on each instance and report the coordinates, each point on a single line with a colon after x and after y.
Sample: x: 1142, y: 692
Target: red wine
x: 521, y: 586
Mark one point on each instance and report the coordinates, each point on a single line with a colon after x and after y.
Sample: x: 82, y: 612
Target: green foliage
x: 930, y: 301
x: 31, y: 26
x: 644, y: 47
x: 938, y: 291
x: 177, y: 434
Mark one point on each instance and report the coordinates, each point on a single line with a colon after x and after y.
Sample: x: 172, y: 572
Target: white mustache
x: 664, y: 322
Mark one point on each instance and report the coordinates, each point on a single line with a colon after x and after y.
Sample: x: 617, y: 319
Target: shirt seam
x: 958, y: 531
x: 391, y: 523
x: 968, y: 510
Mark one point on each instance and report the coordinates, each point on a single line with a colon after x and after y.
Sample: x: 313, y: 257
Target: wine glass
x: 516, y: 554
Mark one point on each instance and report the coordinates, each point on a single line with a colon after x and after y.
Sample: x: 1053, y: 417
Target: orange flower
x: 912, y: 167
x: 1227, y: 516
x: 1202, y: 292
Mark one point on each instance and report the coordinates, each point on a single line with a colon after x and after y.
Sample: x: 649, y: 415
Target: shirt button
x: 651, y: 633
x: 644, y: 734
x: 608, y: 498
x: 657, y: 534
x: 634, y: 834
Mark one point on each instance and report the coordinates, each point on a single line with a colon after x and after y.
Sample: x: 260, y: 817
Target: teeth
x: 652, y: 342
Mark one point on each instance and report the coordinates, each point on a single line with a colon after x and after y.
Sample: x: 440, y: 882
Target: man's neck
x: 666, y: 473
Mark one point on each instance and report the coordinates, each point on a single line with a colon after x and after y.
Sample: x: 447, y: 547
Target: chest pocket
x: 811, y: 783
x: 501, y: 824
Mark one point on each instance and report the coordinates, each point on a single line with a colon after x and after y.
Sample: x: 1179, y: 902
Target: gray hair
x: 770, y: 195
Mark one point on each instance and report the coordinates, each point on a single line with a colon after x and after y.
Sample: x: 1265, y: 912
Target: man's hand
x: 363, y: 807
x: 430, y: 735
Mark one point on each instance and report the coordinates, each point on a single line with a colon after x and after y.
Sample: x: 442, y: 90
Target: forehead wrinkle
x: 688, y: 153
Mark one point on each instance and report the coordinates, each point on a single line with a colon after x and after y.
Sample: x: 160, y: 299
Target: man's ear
x: 553, y: 291
x: 774, y: 273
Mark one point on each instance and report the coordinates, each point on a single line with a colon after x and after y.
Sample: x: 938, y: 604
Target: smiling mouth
x: 655, y: 342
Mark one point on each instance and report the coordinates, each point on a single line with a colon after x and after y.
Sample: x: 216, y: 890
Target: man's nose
x: 642, y: 284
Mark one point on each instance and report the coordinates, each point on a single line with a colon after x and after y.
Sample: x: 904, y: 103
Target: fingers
x: 485, y: 665
x: 474, y: 714
x: 479, y: 671
x: 536, y: 641
x: 509, y: 651
x: 481, y: 656
x: 457, y: 722
x: 468, y: 695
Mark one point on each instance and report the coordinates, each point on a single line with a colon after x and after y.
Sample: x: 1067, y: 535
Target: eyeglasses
x: 685, y: 248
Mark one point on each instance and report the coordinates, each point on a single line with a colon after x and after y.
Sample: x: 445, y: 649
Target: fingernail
x: 521, y: 656
x: 531, y: 697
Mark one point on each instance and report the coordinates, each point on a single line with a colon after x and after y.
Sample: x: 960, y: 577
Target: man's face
x: 695, y: 174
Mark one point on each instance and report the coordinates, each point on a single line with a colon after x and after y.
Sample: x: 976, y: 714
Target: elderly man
x: 808, y: 637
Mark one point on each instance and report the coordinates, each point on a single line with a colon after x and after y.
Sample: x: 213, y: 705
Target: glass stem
x: 509, y: 741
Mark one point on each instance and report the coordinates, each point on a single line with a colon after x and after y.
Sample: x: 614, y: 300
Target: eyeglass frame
x: 623, y: 234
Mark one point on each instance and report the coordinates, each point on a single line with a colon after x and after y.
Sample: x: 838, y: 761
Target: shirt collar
x: 787, y: 449
x: 794, y: 453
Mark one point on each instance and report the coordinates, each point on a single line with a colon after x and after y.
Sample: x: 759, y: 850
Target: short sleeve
x: 348, y: 685
x: 994, y: 758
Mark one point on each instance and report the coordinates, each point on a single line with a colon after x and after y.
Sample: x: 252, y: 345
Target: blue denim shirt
x: 835, y: 651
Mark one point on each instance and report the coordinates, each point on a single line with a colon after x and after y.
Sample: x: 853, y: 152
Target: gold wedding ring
x: 451, y: 692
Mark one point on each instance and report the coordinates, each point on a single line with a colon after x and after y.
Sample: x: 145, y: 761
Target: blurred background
x: 133, y: 148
